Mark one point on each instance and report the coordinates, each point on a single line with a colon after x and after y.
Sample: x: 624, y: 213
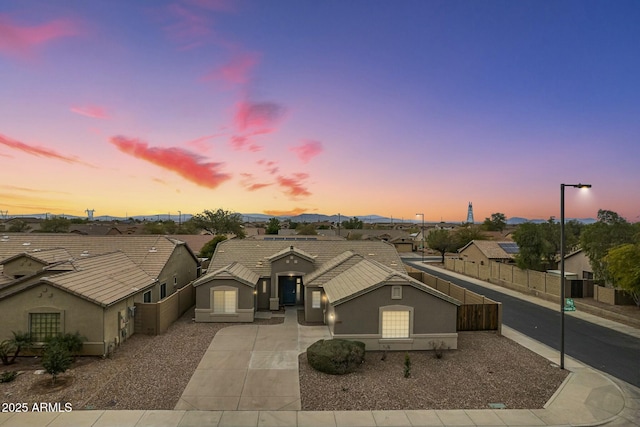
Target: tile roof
x: 47, y: 256
x: 332, y: 268
x: 490, y: 248
x: 368, y: 275
x: 150, y: 253
x: 232, y: 271
x: 102, y: 279
x: 255, y: 254
x: 291, y: 250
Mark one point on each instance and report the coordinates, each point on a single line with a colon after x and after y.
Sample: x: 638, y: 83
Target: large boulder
x: 336, y: 356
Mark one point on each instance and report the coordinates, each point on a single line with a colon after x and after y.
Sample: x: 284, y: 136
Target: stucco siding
x: 473, y: 254
x: 22, y: 266
x: 245, y: 302
x: 181, y: 266
x: 77, y: 314
x: 361, y: 315
x: 291, y: 264
x: 314, y: 314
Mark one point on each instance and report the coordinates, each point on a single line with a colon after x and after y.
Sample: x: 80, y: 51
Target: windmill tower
x: 470, y: 214
x: 90, y: 213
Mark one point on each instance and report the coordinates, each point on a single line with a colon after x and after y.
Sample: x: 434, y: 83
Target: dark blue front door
x: 288, y: 290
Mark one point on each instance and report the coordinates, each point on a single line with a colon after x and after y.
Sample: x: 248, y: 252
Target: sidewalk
x: 587, y: 397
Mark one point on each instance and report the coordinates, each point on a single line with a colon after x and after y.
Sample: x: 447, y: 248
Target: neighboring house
x: 94, y: 296
x: 95, y: 229
x: 403, y: 244
x: 94, y: 278
x: 578, y: 262
x: 359, y: 288
x: 483, y: 251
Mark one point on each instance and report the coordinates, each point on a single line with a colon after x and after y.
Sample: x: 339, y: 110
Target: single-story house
x: 483, y: 251
x: 578, y: 262
x: 360, y: 289
x: 58, y: 283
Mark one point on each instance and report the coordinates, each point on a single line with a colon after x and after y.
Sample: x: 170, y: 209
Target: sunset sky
x: 303, y: 106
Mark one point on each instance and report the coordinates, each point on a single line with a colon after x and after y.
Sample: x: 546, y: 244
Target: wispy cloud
x: 248, y: 182
x: 20, y: 40
x: 235, y: 72
x: 202, y: 143
x: 257, y: 117
x: 31, y: 190
x: 293, y: 186
x: 186, y: 164
x: 292, y: 212
x: 270, y: 166
x: 307, y: 150
x: 93, y: 111
x: 37, y: 151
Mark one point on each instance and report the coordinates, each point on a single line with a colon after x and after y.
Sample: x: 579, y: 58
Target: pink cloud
x: 237, y: 71
x: 202, y: 143
x: 257, y: 117
x: 189, y: 27
x: 247, y: 182
x: 307, y: 150
x: 21, y: 40
x: 92, y: 111
x: 270, y: 166
x: 37, y: 151
x: 186, y: 164
x: 292, y: 212
x: 293, y: 186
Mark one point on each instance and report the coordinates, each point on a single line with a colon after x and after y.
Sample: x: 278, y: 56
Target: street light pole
x: 562, y: 278
x: 422, y: 215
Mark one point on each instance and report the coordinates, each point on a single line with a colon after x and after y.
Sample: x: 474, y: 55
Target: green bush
x: 56, y: 359
x: 8, y: 376
x: 72, y: 343
x: 336, y: 357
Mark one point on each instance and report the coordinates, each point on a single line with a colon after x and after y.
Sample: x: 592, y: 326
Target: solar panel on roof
x: 510, y: 247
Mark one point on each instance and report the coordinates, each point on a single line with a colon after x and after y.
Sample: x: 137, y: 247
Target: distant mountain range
x: 310, y: 218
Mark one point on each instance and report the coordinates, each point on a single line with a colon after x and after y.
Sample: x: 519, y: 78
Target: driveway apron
x: 252, y: 367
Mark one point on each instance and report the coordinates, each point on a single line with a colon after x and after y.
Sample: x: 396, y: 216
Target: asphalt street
x: 610, y: 351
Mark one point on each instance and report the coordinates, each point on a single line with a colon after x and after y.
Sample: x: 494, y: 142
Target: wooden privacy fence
x: 479, y: 317
x: 477, y: 312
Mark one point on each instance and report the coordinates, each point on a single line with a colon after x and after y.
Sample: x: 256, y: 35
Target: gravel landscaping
x: 485, y: 369
x: 146, y: 372
x: 151, y: 372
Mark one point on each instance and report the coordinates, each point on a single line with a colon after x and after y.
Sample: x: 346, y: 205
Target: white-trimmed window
x: 224, y: 301
x: 396, y: 292
x: 395, y: 324
x: 315, y: 299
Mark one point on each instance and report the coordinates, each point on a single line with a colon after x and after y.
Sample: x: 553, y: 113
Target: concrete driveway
x: 252, y: 367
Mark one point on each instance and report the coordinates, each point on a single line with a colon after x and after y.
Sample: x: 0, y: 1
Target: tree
x: 220, y: 222
x: 442, y: 241
x: 55, y: 360
x: 497, y: 222
x: 273, y: 226
x: 353, y: 224
x: 306, y: 229
x: 19, y: 226
x: 467, y: 233
x: 55, y: 224
x: 596, y: 239
x: 534, y: 247
x: 209, y: 248
x: 623, y: 265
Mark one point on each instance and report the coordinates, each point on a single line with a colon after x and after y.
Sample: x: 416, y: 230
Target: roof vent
x: 26, y: 244
x: 36, y: 250
x: 291, y: 247
x: 5, y: 239
x: 84, y: 253
x: 153, y: 249
x: 371, y: 254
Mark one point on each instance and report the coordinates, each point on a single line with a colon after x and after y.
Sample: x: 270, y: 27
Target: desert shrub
x: 407, y: 365
x: 336, y: 357
x: 8, y: 376
x: 70, y: 342
x: 56, y: 359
